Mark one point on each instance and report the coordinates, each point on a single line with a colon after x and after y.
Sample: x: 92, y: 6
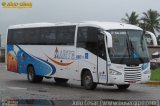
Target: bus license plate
x: 130, y: 82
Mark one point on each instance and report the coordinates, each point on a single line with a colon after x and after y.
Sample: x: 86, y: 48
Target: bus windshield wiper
x: 134, y: 52
x: 141, y: 40
x: 128, y: 48
x: 131, y: 46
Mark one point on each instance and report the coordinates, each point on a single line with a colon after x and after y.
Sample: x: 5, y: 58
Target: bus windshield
x: 129, y: 47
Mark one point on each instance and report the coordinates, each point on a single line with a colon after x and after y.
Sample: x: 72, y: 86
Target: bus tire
x: 87, y: 81
x: 48, y: 77
x: 32, y: 77
x: 123, y: 87
x: 60, y: 80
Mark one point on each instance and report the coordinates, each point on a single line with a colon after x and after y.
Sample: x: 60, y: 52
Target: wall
x: 152, y: 49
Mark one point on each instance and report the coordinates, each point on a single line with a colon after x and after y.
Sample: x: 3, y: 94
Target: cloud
x: 72, y: 11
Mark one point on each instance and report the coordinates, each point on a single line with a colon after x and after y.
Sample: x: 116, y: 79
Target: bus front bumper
x: 121, y: 79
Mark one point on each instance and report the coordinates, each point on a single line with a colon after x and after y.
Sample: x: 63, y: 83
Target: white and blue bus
x: 94, y: 53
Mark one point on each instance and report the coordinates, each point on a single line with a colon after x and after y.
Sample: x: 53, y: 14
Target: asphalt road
x: 13, y: 85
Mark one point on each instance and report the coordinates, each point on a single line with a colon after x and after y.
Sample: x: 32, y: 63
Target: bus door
x: 102, y: 59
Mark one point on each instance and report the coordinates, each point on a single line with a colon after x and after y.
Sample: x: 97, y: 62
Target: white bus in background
x: 91, y: 52
x: 151, y: 38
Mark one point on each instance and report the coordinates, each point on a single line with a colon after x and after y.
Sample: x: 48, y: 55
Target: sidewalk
x: 2, y: 64
x: 153, y: 82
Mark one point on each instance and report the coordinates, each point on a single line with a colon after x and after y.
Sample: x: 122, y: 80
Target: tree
x: 151, y: 21
x: 133, y: 18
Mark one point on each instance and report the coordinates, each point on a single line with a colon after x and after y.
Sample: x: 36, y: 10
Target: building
x: 0, y: 39
x: 2, y: 54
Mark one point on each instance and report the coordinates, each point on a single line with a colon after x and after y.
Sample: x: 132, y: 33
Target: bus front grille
x: 132, y: 74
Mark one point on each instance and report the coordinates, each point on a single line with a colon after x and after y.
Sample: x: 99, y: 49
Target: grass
x: 155, y: 74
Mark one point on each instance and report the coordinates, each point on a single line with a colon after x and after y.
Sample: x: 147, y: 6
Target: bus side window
x: 87, y: 38
x: 48, y: 36
x: 65, y: 35
x: 10, y: 36
x: 17, y: 37
x: 82, y: 37
x: 32, y: 36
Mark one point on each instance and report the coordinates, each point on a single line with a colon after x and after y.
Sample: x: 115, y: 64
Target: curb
x: 153, y: 82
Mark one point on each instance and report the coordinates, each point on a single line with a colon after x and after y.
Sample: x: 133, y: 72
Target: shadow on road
x: 50, y: 84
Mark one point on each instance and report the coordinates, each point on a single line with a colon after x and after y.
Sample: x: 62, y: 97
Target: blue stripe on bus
x: 42, y: 67
x: 53, y: 68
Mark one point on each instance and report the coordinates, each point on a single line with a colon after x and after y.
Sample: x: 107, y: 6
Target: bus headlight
x: 147, y: 71
x: 114, y: 72
x: 144, y: 66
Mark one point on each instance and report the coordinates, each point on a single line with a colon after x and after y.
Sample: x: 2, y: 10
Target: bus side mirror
x: 108, y: 40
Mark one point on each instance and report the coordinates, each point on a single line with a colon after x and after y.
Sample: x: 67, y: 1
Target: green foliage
x: 155, y: 75
x: 133, y: 18
x: 150, y: 20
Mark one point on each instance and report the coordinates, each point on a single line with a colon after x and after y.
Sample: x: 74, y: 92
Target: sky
x: 72, y: 11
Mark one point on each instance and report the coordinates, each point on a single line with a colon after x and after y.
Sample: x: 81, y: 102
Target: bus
x: 92, y: 52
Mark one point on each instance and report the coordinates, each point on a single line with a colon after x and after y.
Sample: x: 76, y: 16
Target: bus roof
x: 31, y: 25
x: 103, y: 25
x: 44, y: 24
x: 109, y: 25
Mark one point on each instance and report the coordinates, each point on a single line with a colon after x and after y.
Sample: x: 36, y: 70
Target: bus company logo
x: 63, y: 54
x: 11, y: 4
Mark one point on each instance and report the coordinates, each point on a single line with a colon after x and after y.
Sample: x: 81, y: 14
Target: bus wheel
x: 123, y: 87
x: 31, y: 75
x: 60, y: 80
x: 87, y: 81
